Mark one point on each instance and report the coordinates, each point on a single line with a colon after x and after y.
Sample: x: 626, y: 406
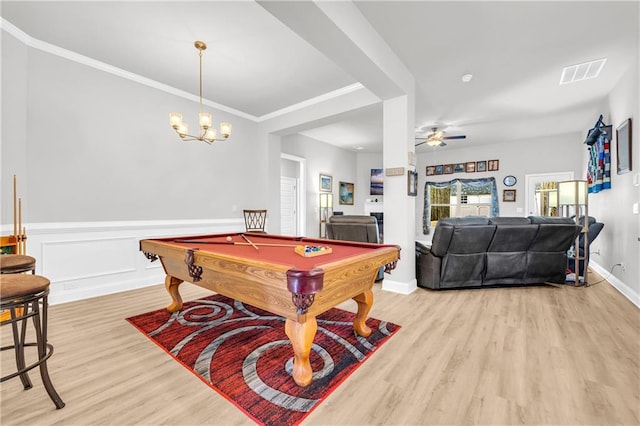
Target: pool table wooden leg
x: 301, y: 335
x: 365, y: 301
x: 172, y: 284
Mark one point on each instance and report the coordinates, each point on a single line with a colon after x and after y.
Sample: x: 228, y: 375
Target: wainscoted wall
x: 88, y: 259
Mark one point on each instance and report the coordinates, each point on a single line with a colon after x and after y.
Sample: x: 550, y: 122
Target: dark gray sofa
x: 480, y: 251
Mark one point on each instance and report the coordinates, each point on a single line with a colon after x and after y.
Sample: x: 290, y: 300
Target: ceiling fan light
x: 433, y: 142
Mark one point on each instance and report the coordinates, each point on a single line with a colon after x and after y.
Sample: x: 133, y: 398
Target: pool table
x: 273, y: 273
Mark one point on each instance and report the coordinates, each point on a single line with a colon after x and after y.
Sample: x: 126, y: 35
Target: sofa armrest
x: 427, y: 267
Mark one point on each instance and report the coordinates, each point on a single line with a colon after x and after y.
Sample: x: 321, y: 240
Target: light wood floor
x: 527, y: 355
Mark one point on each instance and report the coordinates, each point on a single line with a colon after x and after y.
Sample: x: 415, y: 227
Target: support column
x: 399, y: 207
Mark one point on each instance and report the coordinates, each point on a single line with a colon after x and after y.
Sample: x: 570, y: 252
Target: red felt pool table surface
x: 283, y: 254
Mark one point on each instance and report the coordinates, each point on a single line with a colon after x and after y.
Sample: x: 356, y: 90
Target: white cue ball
x: 229, y: 239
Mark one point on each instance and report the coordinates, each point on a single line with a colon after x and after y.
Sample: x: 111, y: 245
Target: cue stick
x: 19, y: 247
x: 249, y: 241
x: 234, y: 243
x: 15, y: 223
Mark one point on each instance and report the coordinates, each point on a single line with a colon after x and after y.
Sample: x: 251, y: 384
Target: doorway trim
x: 300, y: 191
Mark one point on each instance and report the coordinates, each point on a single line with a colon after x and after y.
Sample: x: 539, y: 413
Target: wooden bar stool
x: 22, y: 295
x: 17, y: 263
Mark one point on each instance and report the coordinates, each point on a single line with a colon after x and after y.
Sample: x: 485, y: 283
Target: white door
x: 288, y: 203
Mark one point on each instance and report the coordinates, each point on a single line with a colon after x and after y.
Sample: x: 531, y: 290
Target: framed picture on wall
x: 431, y: 170
x: 493, y: 165
x: 458, y: 168
x: 377, y: 181
x: 346, y: 193
x: 623, y: 146
x: 326, y: 182
x: 481, y: 166
x: 439, y: 169
x: 448, y: 169
x: 509, y: 195
x: 470, y: 167
x: 412, y: 183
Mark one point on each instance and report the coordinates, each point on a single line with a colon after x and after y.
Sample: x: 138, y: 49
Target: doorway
x: 292, y: 195
x: 538, y: 198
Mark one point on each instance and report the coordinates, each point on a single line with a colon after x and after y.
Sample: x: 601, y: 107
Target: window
x: 459, y: 198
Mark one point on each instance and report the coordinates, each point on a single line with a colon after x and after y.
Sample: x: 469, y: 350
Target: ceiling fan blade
x: 455, y: 137
x: 442, y: 144
x: 421, y: 143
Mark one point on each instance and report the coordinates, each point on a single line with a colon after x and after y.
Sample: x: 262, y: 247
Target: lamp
x: 573, y: 195
x: 208, y: 134
x: 572, y: 192
x: 326, y: 204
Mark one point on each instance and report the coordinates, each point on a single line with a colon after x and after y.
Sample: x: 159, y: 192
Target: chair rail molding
x: 90, y: 259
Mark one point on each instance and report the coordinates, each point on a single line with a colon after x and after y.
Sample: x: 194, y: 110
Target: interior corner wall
x: 618, y: 240
x: 366, y: 162
x: 14, y: 125
x: 326, y: 159
x: 98, y: 147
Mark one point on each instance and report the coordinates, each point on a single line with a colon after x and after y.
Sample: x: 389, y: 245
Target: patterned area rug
x: 244, y: 354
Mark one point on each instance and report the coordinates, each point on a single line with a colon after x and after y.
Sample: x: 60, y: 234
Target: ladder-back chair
x: 255, y: 220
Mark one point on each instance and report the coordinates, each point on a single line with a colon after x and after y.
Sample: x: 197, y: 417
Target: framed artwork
x: 439, y: 169
x: 346, y: 193
x: 448, y: 169
x: 377, y: 180
x: 459, y: 168
x: 412, y: 183
x: 481, y: 166
x: 509, y: 195
x: 470, y: 167
x: 623, y: 146
x: 493, y: 165
x: 326, y: 182
x: 431, y: 170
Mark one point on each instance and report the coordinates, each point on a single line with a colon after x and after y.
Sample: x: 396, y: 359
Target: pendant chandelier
x: 207, y: 133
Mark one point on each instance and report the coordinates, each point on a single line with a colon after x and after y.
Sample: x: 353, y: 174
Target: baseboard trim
x: 623, y: 288
x: 399, y: 286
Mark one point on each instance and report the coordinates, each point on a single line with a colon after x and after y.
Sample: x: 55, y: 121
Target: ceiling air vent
x: 581, y: 72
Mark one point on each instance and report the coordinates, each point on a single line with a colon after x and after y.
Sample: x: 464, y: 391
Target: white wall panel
x: 89, y: 259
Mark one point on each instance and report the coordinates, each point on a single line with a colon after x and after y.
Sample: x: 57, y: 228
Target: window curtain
x: 466, y: 184
x: 599, y: 167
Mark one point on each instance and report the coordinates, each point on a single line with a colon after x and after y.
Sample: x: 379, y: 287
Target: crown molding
x: 102, y: 66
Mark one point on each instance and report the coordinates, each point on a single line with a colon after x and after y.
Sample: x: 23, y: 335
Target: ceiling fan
x: 436, y: 138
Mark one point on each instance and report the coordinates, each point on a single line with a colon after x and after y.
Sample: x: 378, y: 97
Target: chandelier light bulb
x: 183, y: 129
x: 225, y: 129
x: 205, y: 120
x: 175, y: 118
x: 210, y: 134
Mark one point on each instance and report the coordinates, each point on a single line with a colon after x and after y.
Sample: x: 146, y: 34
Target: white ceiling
x: 257, y: 65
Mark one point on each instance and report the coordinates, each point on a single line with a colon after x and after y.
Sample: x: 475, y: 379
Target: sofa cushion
x: 551, y: 220
x: 509, y: 220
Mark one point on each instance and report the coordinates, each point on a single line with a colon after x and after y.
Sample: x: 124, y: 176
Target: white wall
x: 99, y: 147
x: 99, y: 168
x: 326, y: 159
x: 618, y: 241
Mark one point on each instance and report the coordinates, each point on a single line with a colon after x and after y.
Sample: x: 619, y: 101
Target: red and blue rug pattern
x: 244, y: 354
